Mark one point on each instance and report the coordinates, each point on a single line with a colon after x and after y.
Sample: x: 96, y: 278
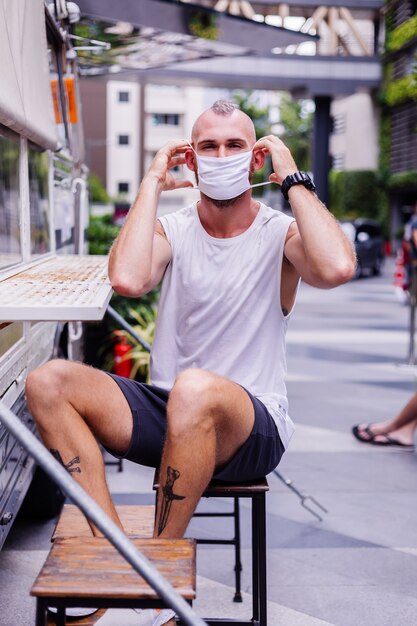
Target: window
x: 338, y: 161
x: 10, y: 245
x: 124, y: 96
x: 339, y: 123
x: 123, y: 187
x: 39, y: 202
x: 123, y: 140
x: 171, y: 119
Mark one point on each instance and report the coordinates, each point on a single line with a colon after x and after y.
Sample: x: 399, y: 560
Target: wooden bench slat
x: 92, y: 567
x: 217, y: 487
x: 137, y: 520
x: 221, y: 488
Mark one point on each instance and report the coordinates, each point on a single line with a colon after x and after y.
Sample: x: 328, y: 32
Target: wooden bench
x: 90, y: 572
x: 86, y: 571
x: 256, y: 491
x: 138, y: 521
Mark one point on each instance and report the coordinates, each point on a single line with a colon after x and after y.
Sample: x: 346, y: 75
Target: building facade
x: 355, y: 133
x: 126, y: 123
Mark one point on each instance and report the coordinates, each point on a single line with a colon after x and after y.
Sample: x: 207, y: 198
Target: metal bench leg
x: 61, y: 618
x: 40, y: 612
x: 238, y: 562
x: 259, y: 589
x: 255, y: 565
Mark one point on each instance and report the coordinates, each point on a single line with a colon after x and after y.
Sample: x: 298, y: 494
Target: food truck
x: 48, y: 285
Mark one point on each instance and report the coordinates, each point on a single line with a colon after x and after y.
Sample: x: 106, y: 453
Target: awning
x: 25, y: 93
x: 158, y: 33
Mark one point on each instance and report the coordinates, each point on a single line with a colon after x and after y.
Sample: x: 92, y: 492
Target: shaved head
x: 223, y: 109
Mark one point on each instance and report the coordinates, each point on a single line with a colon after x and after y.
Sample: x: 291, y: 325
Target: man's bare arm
x: 316, y: 246
x: 141, y: 252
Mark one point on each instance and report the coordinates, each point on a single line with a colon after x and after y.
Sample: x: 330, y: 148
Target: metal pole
x: 321, y: 158
x: 119, y: 319
x: 413, y: 299
x: 93, y: 512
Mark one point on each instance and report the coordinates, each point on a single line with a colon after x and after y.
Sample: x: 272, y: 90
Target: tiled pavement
x: 346, y: 358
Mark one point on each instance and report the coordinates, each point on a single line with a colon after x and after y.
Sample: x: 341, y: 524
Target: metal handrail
x: 120, y: 320
x: 93, y: 512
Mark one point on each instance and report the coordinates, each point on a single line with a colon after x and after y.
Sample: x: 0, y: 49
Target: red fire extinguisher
x: 122, y: 366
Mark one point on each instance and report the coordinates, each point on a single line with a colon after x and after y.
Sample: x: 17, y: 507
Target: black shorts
x: 257, y: 457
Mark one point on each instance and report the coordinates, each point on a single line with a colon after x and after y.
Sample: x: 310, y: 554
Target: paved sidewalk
x: 346, y: 354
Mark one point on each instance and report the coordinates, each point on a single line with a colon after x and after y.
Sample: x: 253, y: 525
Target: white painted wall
x: 122, y: 119
x: 359, y: 142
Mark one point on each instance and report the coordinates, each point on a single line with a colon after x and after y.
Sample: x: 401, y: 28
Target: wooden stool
x: 90, y: 572
x: 256, y: 491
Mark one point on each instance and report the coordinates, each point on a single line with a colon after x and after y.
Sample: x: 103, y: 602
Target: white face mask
x: 223, y: 178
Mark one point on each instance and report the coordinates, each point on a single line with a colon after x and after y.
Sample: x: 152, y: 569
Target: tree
x: 296, y: 120
x: 248, y: 102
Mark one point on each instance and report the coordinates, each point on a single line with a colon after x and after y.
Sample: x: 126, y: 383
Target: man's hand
x: 167, y: 157
x: 282, y: 160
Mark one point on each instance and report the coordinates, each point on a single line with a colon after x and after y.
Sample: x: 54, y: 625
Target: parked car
x: 366, y: 235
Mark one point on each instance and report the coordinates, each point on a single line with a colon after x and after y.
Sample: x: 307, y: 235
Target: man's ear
x: 190, y: 160
x: 258, y: 159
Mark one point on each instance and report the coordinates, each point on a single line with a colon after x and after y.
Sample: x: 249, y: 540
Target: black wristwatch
x: 298, y: 178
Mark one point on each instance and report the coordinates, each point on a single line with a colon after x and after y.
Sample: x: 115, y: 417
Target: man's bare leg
x: 209, y: 419
x: 75, y: 405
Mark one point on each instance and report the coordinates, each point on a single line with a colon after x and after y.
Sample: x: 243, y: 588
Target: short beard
x: 223, y: 204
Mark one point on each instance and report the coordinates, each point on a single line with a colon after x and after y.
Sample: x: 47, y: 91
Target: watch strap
x: 298, y: 178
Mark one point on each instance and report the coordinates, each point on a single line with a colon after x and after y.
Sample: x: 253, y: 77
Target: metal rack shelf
x: 61, y: 288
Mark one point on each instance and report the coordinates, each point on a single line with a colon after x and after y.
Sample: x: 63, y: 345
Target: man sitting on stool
x: 230, y: 267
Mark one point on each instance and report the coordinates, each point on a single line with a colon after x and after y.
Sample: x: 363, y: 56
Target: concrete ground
x: 347, y: 354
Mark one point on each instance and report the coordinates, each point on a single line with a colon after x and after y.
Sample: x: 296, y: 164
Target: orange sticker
x: 72, y: 99
x: 55, y: 100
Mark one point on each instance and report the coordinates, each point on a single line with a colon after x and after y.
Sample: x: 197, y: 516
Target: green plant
x: 356, y: 194
x: 297, y: 121
x: 101, y: 233
x: 401, y: 35
x: 384, y: 147
x: 248, y: 102
x: 145, y: 318
x: 401, y: 90
x: 100, y: 339
x: 204, y: 25
x: 402, y: 180
x: 97, y: 191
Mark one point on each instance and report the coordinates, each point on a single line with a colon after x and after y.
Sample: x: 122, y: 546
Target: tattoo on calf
x: 168, y: 496
x: 70, y: 465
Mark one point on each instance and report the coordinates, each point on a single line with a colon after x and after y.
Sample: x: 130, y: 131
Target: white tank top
x: 220, y: 308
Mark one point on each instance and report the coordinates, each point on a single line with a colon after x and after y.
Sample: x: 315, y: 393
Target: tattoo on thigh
x: 168, y: 496
x: 72, y: 466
